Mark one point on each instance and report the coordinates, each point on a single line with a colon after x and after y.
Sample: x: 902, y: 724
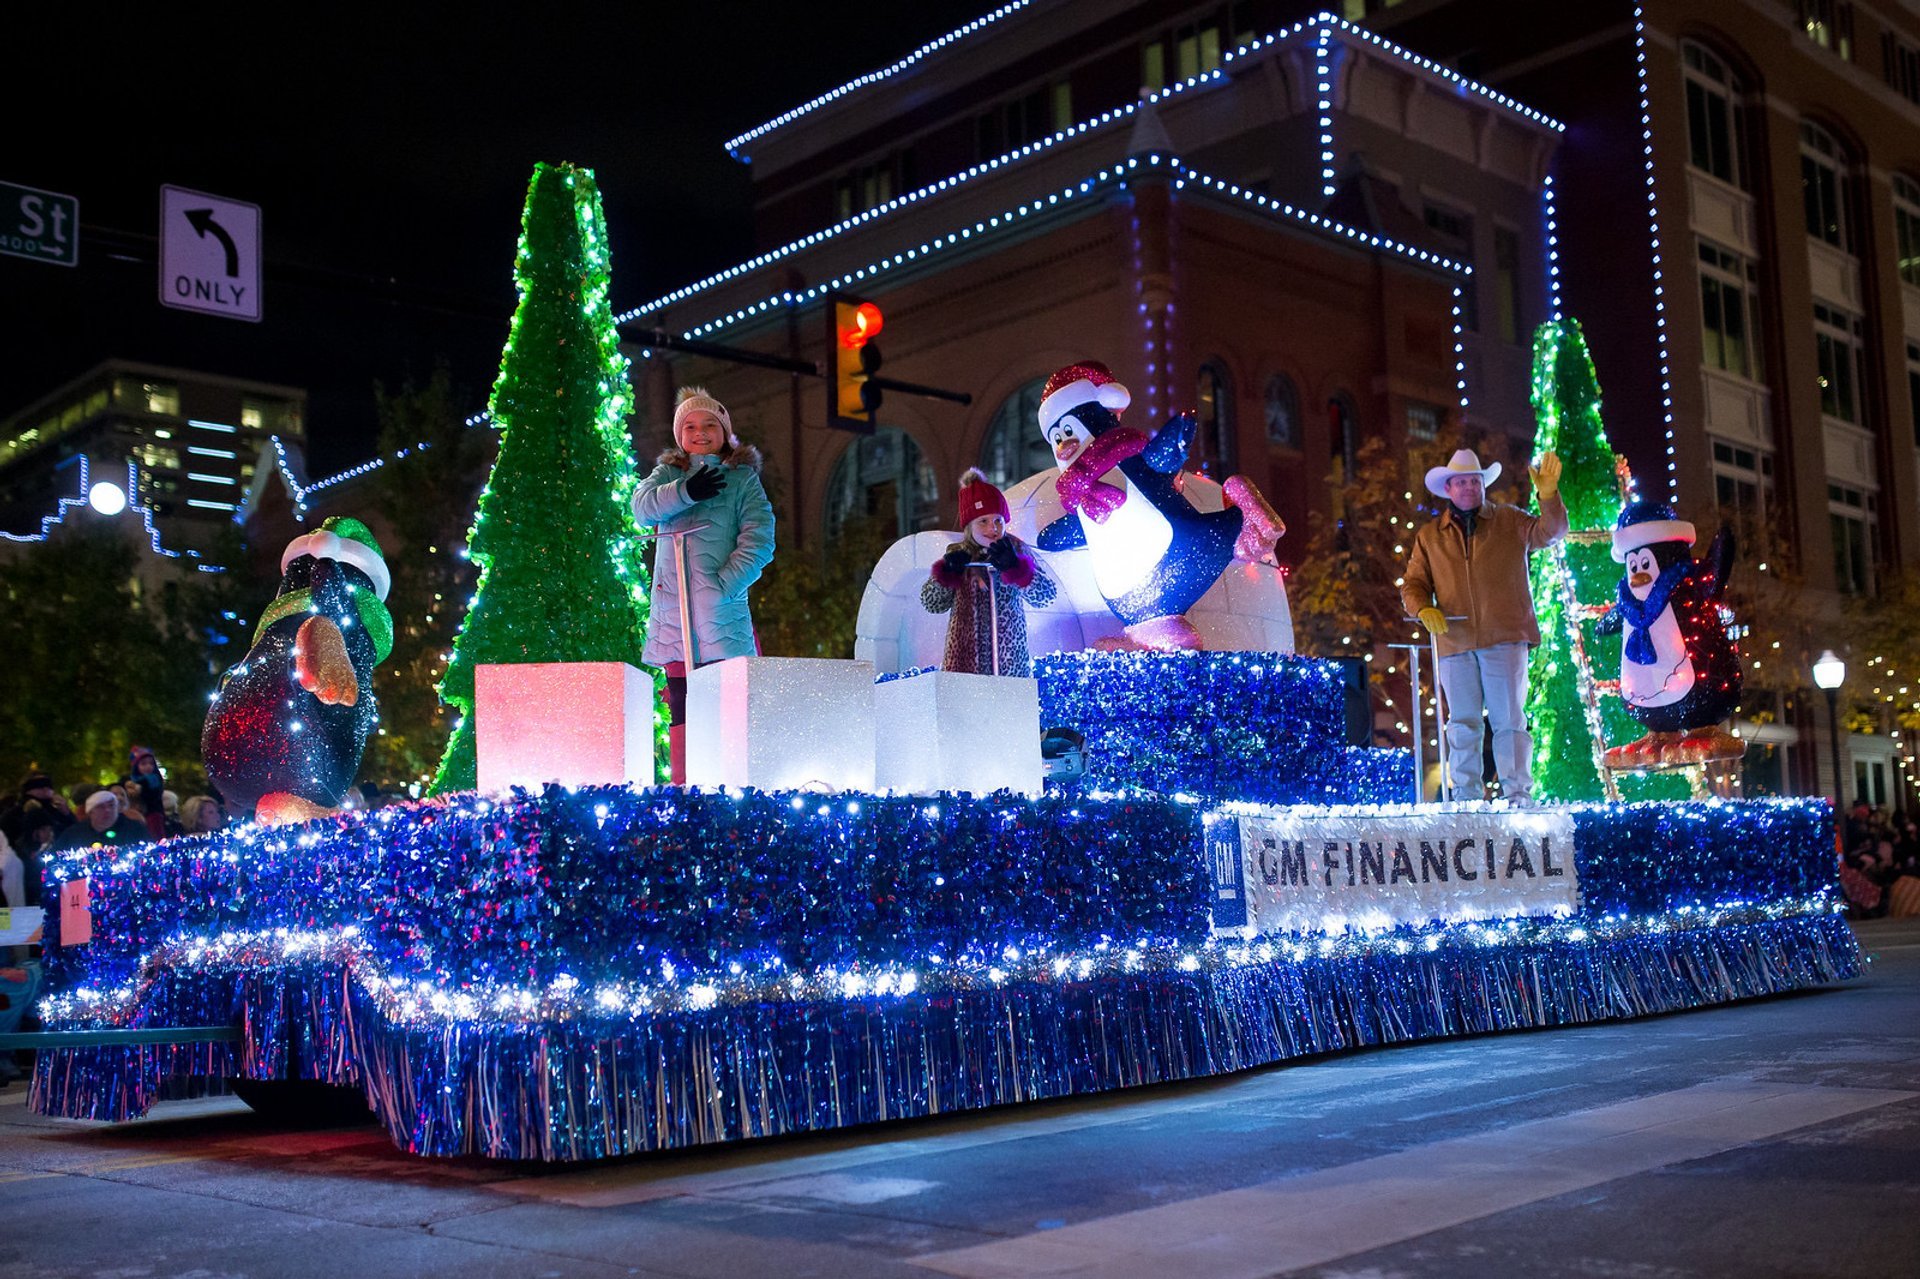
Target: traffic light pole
x: 661, y: 340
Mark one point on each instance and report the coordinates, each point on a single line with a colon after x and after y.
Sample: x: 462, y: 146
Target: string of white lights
x: 1659, y: 272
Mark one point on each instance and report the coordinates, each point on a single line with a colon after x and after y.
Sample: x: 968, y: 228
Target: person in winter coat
x: 707, y: 488
x: 152, y: 785
x: 1470, y: 563
x: 986, y: 558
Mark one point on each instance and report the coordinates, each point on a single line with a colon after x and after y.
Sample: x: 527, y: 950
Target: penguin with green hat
x: 289, y: 723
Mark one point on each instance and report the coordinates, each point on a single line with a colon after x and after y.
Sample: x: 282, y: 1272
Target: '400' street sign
x: 42, y: 225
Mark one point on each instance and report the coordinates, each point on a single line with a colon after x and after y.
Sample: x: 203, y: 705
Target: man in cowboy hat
x: 1470, y: 563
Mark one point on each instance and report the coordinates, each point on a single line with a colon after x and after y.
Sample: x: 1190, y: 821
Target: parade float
x: 871, y: 902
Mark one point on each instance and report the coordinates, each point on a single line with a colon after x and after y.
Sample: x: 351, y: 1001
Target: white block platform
x: 945, y: 731
x: 781, y: 723
x: 575, y: 723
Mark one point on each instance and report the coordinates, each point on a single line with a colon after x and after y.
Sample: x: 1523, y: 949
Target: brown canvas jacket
x: 1485, y: 582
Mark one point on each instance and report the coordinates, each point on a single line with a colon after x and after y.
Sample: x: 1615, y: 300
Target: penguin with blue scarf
x: 1679, y: 669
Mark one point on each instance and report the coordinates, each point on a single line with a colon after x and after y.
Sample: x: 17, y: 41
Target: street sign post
x: 41, y: 225
x: 209, y: 254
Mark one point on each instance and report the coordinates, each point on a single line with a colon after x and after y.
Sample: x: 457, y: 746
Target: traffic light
x: 852, y: 397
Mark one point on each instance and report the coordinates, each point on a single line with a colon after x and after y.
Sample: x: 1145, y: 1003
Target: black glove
x: 956, y: 559
x: 705, y: 482
x: 1001, y: 555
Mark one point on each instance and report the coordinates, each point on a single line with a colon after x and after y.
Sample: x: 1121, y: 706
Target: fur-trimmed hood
x: 746, y: 455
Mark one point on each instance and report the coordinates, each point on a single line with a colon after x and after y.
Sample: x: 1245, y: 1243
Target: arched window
x: 1283, y: 412
x: 1344, y: 432
x: 885, y: 475
x: 1825, y: 167
x: 1213, y: 451
x: 1906, y: 226
x: 1014, y: 448
x: 1715, y: 144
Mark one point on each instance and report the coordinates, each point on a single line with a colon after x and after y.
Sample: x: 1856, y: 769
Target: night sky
x: 390, y: 150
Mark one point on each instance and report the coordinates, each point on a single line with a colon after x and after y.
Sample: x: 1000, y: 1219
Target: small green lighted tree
x: 1571, y: 677
x: 562, y: 574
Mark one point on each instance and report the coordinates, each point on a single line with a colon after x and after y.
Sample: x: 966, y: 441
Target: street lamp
x: 1829, y: 673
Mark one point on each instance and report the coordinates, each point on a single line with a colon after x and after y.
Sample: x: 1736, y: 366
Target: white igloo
x: 1246, y: 610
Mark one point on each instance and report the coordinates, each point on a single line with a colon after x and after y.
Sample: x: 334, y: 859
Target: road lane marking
x: 1341, y: 1212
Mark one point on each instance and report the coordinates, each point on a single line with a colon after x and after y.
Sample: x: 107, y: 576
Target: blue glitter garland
x: 592, y: 1090
x: 1261, y: 727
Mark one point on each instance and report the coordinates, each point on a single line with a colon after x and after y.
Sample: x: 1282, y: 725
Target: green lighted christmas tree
x: 562, y: 578
x: 1572, y: 698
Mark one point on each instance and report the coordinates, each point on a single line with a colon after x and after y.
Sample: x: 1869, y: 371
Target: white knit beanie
x: 694, y: 399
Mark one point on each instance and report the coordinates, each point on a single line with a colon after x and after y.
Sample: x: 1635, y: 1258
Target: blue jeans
x: 1493, y: 680
x: 20, y: 996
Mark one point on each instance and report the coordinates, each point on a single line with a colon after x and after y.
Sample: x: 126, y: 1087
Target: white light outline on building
x: 1181, y: 174
x: 1323, y: 83
x: 1320, y: 24
x: 1324, y: 18
x: 1459, y: 346
x: 1659, y: 272
x: 1553, y: 249
x: 67, y: 504
x: 873, y: 77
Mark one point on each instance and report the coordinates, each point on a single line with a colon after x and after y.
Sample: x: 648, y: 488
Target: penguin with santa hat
x: 1679, y: 671
x: 1153, y: 553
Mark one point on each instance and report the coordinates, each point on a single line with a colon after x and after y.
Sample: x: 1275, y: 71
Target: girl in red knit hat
x: 988, y: 575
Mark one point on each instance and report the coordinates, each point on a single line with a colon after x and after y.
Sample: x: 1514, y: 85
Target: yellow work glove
x: 1546, y: 476
x: 1434, y: 620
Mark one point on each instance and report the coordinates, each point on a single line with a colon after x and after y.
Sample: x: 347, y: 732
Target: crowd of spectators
x: 1880, y: 861
x: 136, y: 808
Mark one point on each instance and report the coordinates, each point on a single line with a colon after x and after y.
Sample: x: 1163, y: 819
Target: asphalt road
x: 1780, y: 1137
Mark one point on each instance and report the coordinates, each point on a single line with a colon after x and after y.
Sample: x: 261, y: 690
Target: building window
x: 1743, y: 487
x: 1900, y: 63
x: 1510, y: 322
x: 154, y: 456
x: 1062, y: 98
x: 1713, y: 115
x: 147, y: 397
x: 275, y: 416
x: 1836, y: 334
x: 1344, y: 428
x: 1906, y: 226
x: 1855, y: 518
x: 1913, y: 387
x: 1213, y: 452
x: 1015, y: 448
x: 885, y: 476
x: 870, y: 185
x: 1283, y: 412
x: 1829, y: 24
x: 1153, y: 67
x: 1823, y: 172
x: 1729, y: 311
x: 1423, y: 421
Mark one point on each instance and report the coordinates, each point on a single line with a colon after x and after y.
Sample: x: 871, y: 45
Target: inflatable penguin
x: 1154, y: 555
x: 1679, y: 673
x: 287, y: 727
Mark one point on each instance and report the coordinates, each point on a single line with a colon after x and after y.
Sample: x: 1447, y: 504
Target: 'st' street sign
x: 209, y: 254
x: 42, y: 225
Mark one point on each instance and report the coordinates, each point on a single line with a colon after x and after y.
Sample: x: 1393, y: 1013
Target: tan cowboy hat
x: 1463, y: 462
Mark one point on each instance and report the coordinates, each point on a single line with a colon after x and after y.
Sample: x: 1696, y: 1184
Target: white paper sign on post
x: 1315, y: 870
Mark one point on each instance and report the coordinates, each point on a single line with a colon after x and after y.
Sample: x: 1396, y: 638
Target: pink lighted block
x: 576, y: 723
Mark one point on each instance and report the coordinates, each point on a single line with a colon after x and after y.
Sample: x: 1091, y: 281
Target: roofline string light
x: 1183, y: 177
x: 1659, y: 273
x: 734, y: 144
x: 1323, y: 80
x: 66, y: 505
x: 298, y: 492
x: 1553, y: 248
x: 1460, y: 344
x: 1322, y: 19
x: 1321, y: 25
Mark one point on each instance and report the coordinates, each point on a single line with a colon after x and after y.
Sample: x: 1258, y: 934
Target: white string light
x: 1659, y: 273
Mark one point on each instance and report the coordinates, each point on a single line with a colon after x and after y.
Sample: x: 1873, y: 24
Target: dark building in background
x: 181, y: 444
x: 1277, y: 244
